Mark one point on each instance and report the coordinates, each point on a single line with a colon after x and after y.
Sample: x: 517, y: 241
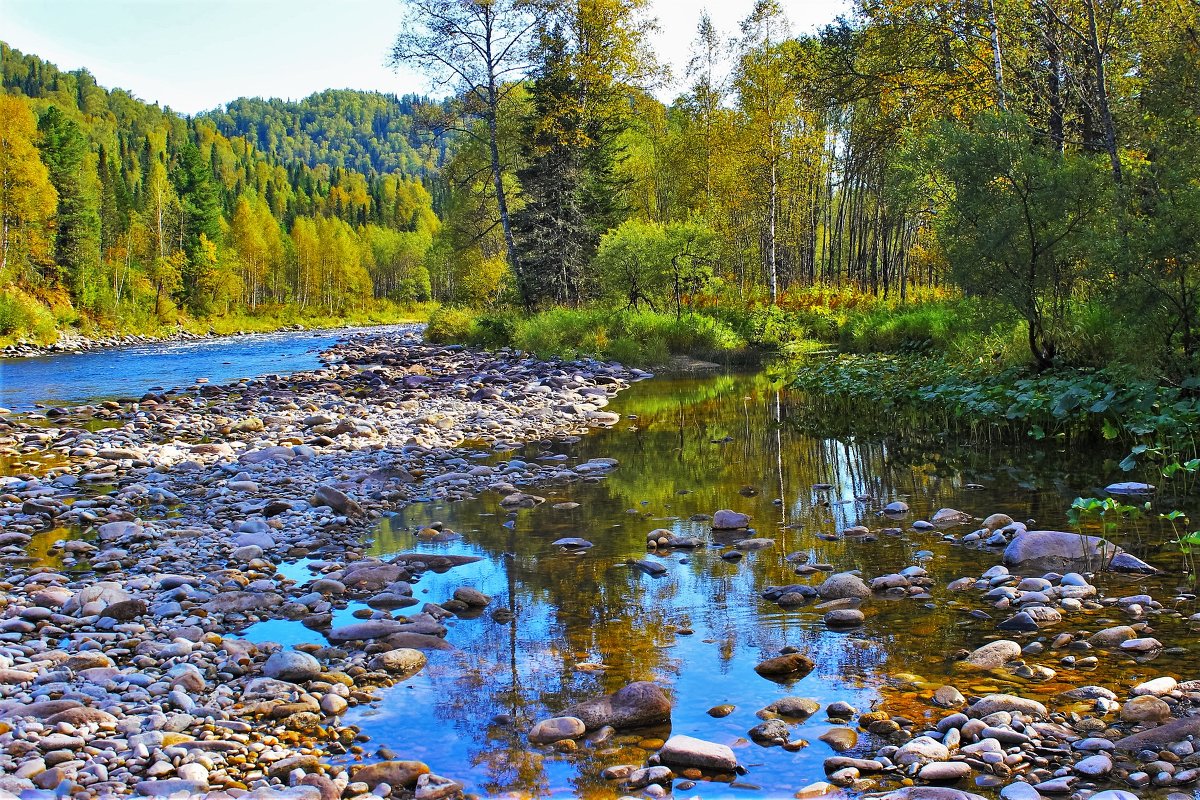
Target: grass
x: 636, y: 338
x: 24, y: 318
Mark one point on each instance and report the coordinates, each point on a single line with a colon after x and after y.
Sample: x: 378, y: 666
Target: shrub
x: 450, y: 326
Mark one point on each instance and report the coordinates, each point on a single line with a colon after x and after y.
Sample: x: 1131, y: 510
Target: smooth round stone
x: 844, y: 618
x: 941, y: 771
x: 555, y: 729
x: 1145, y: 708
x: 1094, y: 766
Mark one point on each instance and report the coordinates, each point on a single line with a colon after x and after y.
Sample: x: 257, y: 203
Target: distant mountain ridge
x: 121, y: 210
x: 364, y: 131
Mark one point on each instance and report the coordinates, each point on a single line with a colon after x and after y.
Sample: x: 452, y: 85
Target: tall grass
x: 639, y: 338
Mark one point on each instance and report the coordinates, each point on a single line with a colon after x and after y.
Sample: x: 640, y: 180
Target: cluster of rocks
x: 121, y: 670
x: 1087, y: 740
x: 1018, y: 746
x: 645, y: 708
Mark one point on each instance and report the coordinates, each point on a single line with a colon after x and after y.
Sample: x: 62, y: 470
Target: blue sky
x: 195, y: 55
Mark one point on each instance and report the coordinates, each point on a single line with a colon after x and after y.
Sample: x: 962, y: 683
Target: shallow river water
x: 136, y: 369
x: 691, y: 446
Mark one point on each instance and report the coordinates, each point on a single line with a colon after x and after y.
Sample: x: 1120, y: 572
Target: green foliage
x: 77, y: 224
x: 136, y: 218
x: 640, y: 338
x: 1018, y: 220
x: 449, y: 325
x: 917, y: 328
x: 360, y: 131
x: 1158, y: 423
x: 659, y: 265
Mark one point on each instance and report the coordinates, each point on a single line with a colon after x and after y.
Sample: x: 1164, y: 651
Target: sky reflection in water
x: 592, y: 608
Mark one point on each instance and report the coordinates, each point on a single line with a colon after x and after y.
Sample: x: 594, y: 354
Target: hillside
x: 123, y: 214
x: 358, y: 130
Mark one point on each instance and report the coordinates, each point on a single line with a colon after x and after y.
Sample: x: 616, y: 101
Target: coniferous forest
x: 1022, y: 173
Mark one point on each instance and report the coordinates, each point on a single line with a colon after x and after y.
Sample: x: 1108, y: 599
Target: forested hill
x: 357, y: 130
x: 124, y: 214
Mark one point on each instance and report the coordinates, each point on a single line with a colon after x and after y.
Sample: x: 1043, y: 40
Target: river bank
x: 160, y: 569
x: 71, y: 342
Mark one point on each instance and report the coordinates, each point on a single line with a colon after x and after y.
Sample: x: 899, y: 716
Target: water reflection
x: 586, y: 623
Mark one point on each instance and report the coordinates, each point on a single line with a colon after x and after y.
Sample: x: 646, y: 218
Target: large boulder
x: 787, y: 667
x: 240, y: 602
x: 925, y: 793
x: 994, y: 655
x: 686, y: 751
x: 555, y: 729
x: 843, y: 585
x: 726, y: 520
x: 992, y: 703
x: 921, y: 750
x: 372, y: 576
x: 336, y: 499
x: 393, y: 773
x: 367, y: 629
x: 401, y: 661
x: 292, y: 666
x: 637, y: 705
x: 1058, y: 551
x: 1160, y: 737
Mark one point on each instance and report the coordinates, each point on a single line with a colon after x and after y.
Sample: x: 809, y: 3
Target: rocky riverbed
x: 146, y: 536
x: 119, y: 668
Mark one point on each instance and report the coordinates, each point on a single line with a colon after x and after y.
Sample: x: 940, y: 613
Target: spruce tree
x: 555, y: 240
x: 77, y: 224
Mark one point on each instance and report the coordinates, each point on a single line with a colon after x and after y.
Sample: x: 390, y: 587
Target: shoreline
x: 74, y: 344
x: 158, y: 681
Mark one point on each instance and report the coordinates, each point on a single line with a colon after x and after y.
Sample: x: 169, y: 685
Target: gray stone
x: 401, y: 661
x: 636, y: 705
x: 1057, y: 551
x: 994, y: 655
x: 842, y: 585
x: 921, y: 750
x: 726, y: 520
x: 687, y: 751
x: 555, y: 729
x: 992, y: 703
x: 292, y: 666
x: 787, y: 667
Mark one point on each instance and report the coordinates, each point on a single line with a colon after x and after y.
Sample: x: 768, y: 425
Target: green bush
x: 923, y: 328
x: 24, y: 318
x: 495, y: 329
x: 642, y: 338
x: 14, y: 316
x: 450, y: 326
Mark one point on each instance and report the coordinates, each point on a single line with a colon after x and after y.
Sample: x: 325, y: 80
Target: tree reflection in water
x: 697, y: 445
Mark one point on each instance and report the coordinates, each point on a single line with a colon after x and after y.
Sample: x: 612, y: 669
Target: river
x: 136, y: 369
x: 585, y: 623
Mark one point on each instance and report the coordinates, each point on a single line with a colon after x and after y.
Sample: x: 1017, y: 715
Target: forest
x: 1013, y: 178
x: 1017, y: 179
x: 120, y: 215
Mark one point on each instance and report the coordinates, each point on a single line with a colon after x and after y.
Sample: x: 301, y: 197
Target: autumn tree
x: 27, y: 199
x: 483, y: 48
